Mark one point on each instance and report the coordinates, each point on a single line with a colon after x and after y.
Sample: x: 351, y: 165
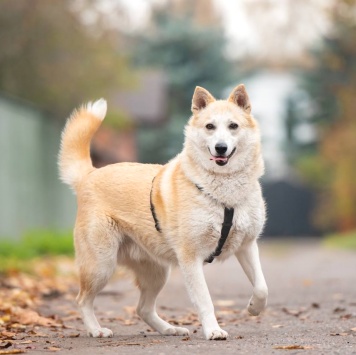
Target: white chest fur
x: 206, y: 222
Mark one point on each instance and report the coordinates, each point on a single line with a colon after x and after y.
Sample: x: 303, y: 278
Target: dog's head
x: 222, y: 135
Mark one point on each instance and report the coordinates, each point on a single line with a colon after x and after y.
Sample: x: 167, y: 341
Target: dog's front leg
x: 199, y: 294
x: 249, y: 259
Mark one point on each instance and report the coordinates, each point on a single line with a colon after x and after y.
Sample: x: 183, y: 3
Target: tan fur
x: 114, y: 221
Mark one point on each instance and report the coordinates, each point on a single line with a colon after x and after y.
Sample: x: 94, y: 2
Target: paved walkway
x: 312, y: 306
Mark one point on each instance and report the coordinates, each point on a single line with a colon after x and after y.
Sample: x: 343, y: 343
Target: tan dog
x: 152, y: 217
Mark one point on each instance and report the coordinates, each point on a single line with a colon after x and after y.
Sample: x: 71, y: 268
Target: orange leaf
x: 293, y: 347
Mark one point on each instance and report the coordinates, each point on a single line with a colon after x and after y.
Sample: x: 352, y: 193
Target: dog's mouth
x: 220, y: 159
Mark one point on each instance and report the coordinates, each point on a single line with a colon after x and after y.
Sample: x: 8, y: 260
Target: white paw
x: 176, y: 331
x: 256, y: 305
x: 100, y: 333
x: 216, y: 334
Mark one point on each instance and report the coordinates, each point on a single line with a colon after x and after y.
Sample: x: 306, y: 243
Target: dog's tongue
x: 218, y: 158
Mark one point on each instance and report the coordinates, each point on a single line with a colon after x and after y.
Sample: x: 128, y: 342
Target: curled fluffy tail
x: 74, y: 155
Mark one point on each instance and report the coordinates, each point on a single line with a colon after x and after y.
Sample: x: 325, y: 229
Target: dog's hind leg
x: 248, y: 256
x: 97, y: 260
x: 150, y: 278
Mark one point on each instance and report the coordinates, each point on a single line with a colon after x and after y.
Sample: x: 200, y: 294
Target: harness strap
x: 153, y: 212
x: 225, y: 230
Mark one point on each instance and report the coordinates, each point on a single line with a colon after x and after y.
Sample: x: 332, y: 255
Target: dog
x: 204, y: 204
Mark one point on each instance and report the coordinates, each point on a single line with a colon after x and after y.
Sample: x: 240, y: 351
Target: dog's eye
x: 233, y: 126
x: 210, y: 126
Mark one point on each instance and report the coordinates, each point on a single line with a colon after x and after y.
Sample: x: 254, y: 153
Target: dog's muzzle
x: 220, y: 159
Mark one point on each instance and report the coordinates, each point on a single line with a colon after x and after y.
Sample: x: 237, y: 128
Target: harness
x: 225, y: 229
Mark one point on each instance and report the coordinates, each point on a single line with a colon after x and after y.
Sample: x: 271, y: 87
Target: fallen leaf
x: 346, y: 316
x: 5, y: 319
x: 5, y: 344
x: 17, y: 326
x: 130, y: 310
x: 29, y: 317
x: 12, y: 351
x: 293, y: 347
x: 339, y: 334
x: 293, y: 312
x: 130, y: 344
x: 339, y: 309
x: 304, y: 316
x: 315, y: 305
x: 7, y: 335
x: 186, y: 339
x: 53, y: 348
x: 37, y: 334
x: 74, y: 335
x: 225, y: 303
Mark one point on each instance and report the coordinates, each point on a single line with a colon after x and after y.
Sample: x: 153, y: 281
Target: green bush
x: 342, y: 240
x: 37, y: 243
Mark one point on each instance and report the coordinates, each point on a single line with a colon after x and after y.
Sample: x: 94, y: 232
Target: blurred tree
x: 189, y: 47
x: 332, y: 87
x: 50, y: 57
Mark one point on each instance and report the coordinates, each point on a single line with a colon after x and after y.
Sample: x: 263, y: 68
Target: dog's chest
x: 207, y: 224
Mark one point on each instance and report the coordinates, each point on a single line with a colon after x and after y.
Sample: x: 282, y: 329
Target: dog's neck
x: 229, y: 189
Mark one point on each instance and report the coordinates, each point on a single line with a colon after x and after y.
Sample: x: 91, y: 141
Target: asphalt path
x: 311, y: 309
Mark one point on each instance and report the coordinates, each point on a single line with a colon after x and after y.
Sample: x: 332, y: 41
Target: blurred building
x: 289, y: 202
x: 269, y: 93
x: 31, y: 195
x: 145, y: 104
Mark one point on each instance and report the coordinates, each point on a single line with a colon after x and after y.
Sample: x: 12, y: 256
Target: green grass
x: 341, y: 240
x: 15, y: 254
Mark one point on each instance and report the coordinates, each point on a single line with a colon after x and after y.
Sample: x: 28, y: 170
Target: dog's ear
x: 201, y: 99
x: 240, y: 98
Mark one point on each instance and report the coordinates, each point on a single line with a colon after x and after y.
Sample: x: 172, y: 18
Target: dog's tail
x: 74, y: 155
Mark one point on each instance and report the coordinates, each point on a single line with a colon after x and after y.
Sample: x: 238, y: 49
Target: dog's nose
x: 221, y: 148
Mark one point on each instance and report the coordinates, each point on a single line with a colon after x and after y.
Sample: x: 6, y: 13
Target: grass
x: 341, y: 240
x: 17, y: 254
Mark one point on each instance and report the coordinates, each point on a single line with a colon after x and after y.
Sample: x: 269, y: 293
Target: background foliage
x: 191, y: 54
x: 53, y: 59
x: 331, y: 84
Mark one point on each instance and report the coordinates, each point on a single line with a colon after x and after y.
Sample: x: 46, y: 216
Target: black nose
x: 221, y: 148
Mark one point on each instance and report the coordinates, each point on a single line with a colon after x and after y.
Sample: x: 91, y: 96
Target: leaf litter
x: 22, y: 294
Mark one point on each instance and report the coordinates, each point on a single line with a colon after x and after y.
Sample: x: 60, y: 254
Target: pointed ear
x: 240, y: 98
x: 201, y: 99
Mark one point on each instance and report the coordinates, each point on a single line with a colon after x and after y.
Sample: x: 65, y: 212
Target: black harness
x: 225, y: 229
x: 152, y: 207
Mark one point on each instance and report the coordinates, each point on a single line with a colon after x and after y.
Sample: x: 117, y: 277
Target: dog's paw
x: 100, y: 333
x: 256, y: 305
x: 176, y: 331
x: 216, y: 334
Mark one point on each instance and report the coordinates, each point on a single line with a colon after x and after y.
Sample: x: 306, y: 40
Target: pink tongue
x: 218, y: 158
